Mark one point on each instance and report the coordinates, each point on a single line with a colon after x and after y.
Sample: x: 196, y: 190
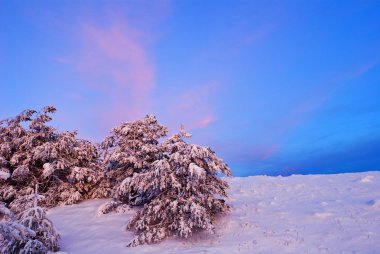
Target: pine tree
x: 131, y: 148
x: 32, y: 152
x: 33, y: 233
x: 186, y: 192
x: 35, y: 219
x: 13, y: 235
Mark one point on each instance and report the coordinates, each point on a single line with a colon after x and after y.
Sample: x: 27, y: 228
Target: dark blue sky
x: 274, y: 87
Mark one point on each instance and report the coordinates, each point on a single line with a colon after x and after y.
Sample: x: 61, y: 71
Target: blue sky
x: 274, y: 87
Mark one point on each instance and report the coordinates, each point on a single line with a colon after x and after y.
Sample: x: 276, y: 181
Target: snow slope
x: 296, y: 214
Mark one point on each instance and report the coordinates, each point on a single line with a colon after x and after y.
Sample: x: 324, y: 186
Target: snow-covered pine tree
x: 13, y: 235
x: 131, y: 148
x: 33, y: 233
x: 35, y: 219
x: 32, y: 152
x: 187, y: 192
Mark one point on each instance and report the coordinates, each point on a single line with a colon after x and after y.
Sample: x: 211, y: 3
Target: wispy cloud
x: 202, y: 122
x: 259, y: 33
x: 193, y: 107
x: 264, y: 152
x: 357, y: 156
x: 116, y: 53
x: 113, y: 65
x: 364, y: 68
x: 310, y: 103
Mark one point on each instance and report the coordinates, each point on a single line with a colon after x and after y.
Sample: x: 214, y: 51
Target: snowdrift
x: 297, y: 214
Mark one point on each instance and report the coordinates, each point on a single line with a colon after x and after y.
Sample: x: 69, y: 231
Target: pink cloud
x: 116, y: 51
x: 203, y: 122
x: 257, y: 151
x: 196, y: 97
x: 266, y: 152
x: 193, y: 107
x: 112, y: 61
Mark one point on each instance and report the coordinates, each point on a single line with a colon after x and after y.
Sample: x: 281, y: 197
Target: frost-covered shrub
x: 177, y: 182
x: 35, y: 219
x: 34, y: 247
x: 7, y: 192
x: 185, y: 192
x: 131, y: 148
x: 113, y: 205
x: 13, y: 237
x: 32, y: 233
x: 65, y: 167
x: 24, y: 200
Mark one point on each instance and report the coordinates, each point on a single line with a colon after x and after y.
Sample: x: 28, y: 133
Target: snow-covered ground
x: 296, y: 214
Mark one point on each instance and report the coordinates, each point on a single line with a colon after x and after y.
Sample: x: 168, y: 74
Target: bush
x: 178, y: 186
x: 31, y: 152
x: 33, y: 233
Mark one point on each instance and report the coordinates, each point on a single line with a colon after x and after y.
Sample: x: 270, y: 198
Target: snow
x: 297, y: 214
x: 3, y: 174
x: 48, y: 170
x: 194, y: 169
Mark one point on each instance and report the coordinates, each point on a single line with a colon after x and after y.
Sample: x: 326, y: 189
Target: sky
x: 273, y: 87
